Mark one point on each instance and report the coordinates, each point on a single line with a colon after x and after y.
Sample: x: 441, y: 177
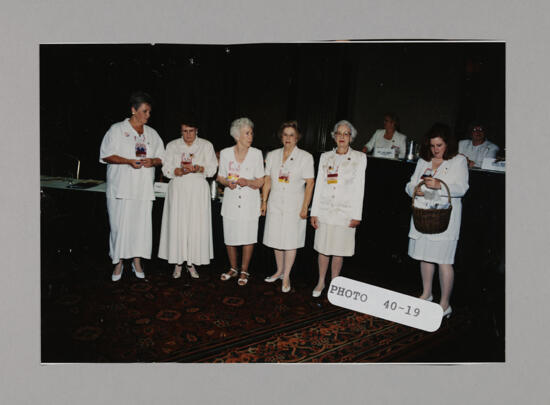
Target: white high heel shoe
x: 192, y: 271
x: 137, y: 273
x: 116, y: 277
x: 177, y: 271
x: 317, y: 293
x: 286, y: 289
x: 447, y: 313
x: 272, y: 279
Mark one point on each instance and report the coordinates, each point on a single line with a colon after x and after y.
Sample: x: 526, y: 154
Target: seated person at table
x: 478, y: 148
x: 389, y: 137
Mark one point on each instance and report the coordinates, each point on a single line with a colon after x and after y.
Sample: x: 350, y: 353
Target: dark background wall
x: 84, y: 89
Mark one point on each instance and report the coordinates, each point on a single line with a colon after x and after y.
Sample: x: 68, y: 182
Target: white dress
x: 129, y: 191
x: 284, y: 228
x: 338, y: 199
x: 186, y: 231
x: 398, y: 141
x: 441, y: 247
x: 241, y: 206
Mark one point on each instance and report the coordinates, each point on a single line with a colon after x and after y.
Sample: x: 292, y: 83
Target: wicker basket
x: 431, y: 220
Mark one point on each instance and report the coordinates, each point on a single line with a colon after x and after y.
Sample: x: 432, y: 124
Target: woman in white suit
x: 131, y: 150
x: 241, y: 172
x: 288, y: 183
x: 337, y: 202
x: 439, y: 161
x: 186, y: 232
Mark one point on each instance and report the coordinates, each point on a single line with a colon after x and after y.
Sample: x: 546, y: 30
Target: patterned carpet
x: 87, y: 318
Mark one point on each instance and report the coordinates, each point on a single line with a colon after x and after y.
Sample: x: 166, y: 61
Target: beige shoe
x: 177, y: 271
x: 192, y: 271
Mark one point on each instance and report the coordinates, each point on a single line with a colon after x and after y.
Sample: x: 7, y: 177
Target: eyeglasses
x: 477, y: 129
x: 342, y: 133
x: 188, y: 131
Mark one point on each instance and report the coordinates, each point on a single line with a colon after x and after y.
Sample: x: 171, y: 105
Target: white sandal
x: 230, y: 274
x: 177, y: 271
x: 243, y: 280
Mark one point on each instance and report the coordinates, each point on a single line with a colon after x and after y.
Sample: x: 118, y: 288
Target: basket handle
x: 423, y: 182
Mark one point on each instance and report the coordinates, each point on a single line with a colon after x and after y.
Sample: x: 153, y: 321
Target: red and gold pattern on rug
x: 206, y: 320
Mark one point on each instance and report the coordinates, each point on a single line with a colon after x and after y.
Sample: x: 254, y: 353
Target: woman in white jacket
x: 131, y: 151
x: 439, y: 161
x: 288, y: 184
x: 241, y: 172
x: 186, y: 231
x: 389, y: 137
x: 337, y: 202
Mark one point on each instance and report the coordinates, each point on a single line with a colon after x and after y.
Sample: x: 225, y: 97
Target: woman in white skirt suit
x: 186, y: 232
x: 337, y: 202
x: 131, y: 151
x: 288, y: 183
x: 241, y: 172
x: 439, y: 161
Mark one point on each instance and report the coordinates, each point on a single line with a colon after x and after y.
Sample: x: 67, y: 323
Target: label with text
x: 386, y: 304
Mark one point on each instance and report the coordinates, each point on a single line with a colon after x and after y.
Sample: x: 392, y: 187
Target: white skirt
x: 186, y: 231
x: 284, y: 231
x: 334, y: 240
x: 131, y: 228
x: 238, y: 232
x: 433, y: 251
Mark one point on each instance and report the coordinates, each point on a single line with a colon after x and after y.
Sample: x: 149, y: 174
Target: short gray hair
x: 346, y: 123
x: 237, y: 125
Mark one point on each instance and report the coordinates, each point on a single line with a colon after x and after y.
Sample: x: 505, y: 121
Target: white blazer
x: 288, y: 197
x: 241, y: 203
x: 339, y: 203
x: 123, y: 181
x: 479, y: 152
x: 454, y: 172
x: 398, y: 140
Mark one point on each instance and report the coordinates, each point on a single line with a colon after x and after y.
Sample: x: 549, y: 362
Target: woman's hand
x: 187, y: 168
x: 147, y: 162
x: 303, y: 213
x: 263, y: 208
x: 135, y: 163
x: 232, y: 185
x: 198, y: 169
x: 242, y: 182
x: 178, y: 171
x: 314, y: 222
x: 354, y: 223
x: 432, y: 183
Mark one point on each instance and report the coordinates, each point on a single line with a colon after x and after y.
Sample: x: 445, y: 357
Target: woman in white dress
x: 288, y: 183
x: 131, y: 151
x: 439, y: 161
x: 389, y: 137
x: 337, y: 202
x: 241, y: 172
x: 186, y: 232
